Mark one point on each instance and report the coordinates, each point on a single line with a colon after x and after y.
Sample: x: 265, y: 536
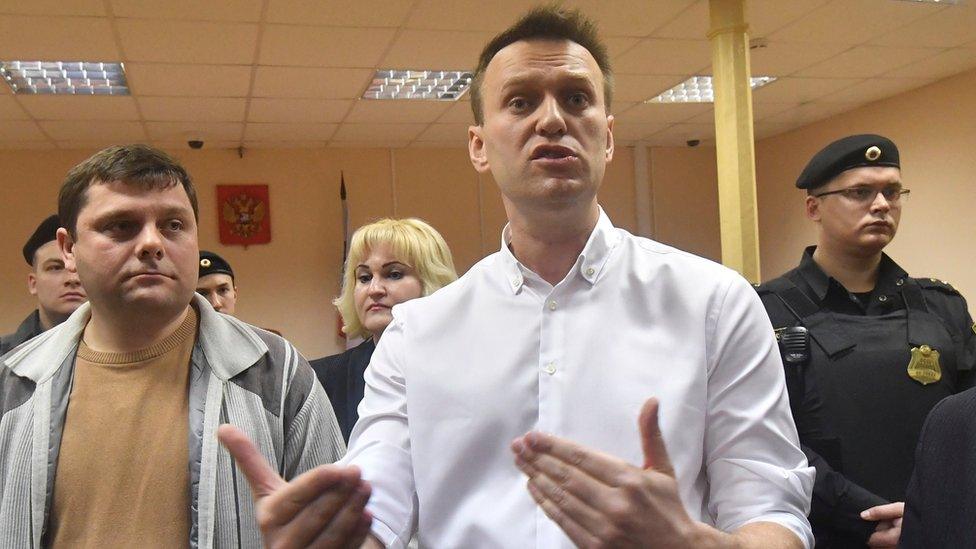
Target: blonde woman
x: 390, y: 261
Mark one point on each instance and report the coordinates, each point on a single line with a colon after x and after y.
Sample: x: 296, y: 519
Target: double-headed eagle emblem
x: 244, y: 214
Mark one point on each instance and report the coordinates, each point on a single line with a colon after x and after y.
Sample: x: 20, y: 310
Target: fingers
x: 567, y: 489
x: 888, y: 511
x: 348, y: 523
x: 262, y: 478
x: 576, y: 533
x: 655, y: 452
x: 322, y: 486
x: 602, y: 467
x: 885, y: 537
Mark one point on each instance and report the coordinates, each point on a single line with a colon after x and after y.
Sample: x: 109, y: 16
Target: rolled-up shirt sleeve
x: 756, y: 469
x: 380, y: 442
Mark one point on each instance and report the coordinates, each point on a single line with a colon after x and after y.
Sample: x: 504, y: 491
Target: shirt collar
x: 888, y: 273
x: 590, y: 262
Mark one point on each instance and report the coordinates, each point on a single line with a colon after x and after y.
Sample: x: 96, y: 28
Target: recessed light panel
x: 64, y: 77
x: 698, y: 89
x: 420, y: 84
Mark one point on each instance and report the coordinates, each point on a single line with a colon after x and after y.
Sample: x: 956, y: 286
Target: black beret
x: 45, y: 232
x: 853, y: 151
x: 211, y: 263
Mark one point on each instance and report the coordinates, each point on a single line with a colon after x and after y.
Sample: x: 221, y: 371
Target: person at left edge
x: 216, y: 283
x: 124, y: 398
x: 390, y: 261
x: 868, y: 349
x: 58, y: 290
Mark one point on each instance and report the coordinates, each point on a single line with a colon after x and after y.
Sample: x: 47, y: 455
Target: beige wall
x: 287, y: 284
x: 935, y: 130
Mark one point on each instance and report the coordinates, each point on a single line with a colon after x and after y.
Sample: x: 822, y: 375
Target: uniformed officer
x: 57, y: 290
x: 868, y: 350
x: 216, y: 282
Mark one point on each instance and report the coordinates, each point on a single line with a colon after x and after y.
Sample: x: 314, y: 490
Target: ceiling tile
x: 288, y: 132
x: 769, y: 129
x: 446, y: 133
x: 630, y: 17
x: 415, y: 49
x: 953, y: 26
x: 619, y: 45
x: 866, y: 61
x: 332, y: 83
x: 767, y: 16
x: 10, y: 110
x: 811, y: 112
x: 187, y: 41
x: 278, y: 144
x: 691, y: 24
x: 785, y: 58
x: 53, y: 7
x: 873, y: 90
x: 399, y: 112
x: 182, y: 148
x: 338, y: 13
x: 205, y: 131
x: 459, y: 112
x: 465, y: 14
x: 852, y: 21
x: 688, y: 131
x: 56, y: 39
x: 947, y: 63
x: 290, y: 45
x: 298, y: 110
x: 80, y: 107
x: 91, y: 145
x: 638, y: 87
x: 368, y: 132
x: 665, y: 56
x: 25, y: 145
x: 800, y: 90
x: 225, y: 10
x: 374, y: 144
x: 95, y: 130
x: 765, y: 110
x: 192, y: 109
x: 662, y: 113
x: 188, y: 80
x: 21, y: 129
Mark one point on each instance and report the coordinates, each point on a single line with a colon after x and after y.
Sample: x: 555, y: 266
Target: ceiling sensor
x: 757, y: 43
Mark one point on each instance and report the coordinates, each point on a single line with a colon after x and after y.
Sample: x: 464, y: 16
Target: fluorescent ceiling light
x: 698, y: 89
x: 419, y: 84
x: 934, y: 1
x: 64, y: 77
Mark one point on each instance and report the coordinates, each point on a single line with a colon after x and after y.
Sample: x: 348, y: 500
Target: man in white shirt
x: 538, y: 361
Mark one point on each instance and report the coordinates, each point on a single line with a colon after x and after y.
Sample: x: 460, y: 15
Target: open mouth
x: 552, y: 152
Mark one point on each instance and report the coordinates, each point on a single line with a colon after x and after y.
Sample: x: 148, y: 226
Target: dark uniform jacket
x: 857, y: 410
x: 942, y: 493
x: 28, y: 329
x: 342, y: 377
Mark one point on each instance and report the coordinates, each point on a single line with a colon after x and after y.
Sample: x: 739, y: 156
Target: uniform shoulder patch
x: 936, y: 284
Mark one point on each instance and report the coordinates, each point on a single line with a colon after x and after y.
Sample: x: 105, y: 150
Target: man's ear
x: 610, y: 143
x: 32, y: 282
x: 476, y: 149
x: 813, y: 208
x: 66, y: 245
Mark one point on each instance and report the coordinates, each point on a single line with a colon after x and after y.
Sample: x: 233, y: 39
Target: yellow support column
x: 734, y: 138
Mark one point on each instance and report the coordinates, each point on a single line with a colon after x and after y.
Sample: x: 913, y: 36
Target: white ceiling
x: 287, y: 73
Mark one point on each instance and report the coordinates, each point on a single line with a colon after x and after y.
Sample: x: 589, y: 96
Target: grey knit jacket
x: 239, y: 374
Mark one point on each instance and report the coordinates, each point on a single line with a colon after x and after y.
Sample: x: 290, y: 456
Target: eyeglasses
x: 867, y: 195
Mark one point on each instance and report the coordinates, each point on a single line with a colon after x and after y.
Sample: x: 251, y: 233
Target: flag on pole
x: 345, y: 248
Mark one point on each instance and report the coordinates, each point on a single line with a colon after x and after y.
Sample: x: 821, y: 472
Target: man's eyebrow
x: 531, y: 78
x: 51, y: 260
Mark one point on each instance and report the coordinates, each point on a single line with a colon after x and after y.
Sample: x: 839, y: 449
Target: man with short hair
x: 216, y: 283
x: 58, y: 291
x: 124, y: 399
x: 868, y: 349
x: 539, y: 361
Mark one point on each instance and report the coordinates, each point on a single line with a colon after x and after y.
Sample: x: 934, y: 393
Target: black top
x: 342, y: 377
x: 28, y: 329
x: 858, y: 413
x: 942, y: 492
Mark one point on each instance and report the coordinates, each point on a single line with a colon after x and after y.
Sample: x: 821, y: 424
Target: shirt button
x: 552, y: 304
x: 883, y: 298
x: 515, y: 283
x: 590, y: 271
x: 549, y: 368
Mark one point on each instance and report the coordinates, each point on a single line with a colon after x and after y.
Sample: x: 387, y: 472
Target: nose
x: 72, y: 280
x: 880, y: 203
x: 376, y: 287
x: 551, y: 118
x: 215, y: 302
x: 150, y: 245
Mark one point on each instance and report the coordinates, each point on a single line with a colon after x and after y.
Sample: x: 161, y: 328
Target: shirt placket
x: 551, y: 372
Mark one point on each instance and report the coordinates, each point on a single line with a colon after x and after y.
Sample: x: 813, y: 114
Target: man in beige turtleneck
x: 126, y: 398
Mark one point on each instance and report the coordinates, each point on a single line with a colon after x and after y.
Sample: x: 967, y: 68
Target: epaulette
x: 776, y: 285
x: 936, y: 284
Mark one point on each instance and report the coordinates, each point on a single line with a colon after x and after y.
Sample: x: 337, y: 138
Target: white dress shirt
x: 460, y: 374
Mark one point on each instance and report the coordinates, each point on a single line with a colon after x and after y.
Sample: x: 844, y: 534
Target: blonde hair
x: 414, y: 242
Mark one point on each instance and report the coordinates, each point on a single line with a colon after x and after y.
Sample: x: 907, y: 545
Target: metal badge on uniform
x: 924, y: 365
x: 873, y: 153
x: 205, y: 263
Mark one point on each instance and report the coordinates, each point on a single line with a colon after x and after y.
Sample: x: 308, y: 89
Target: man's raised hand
x: 323, y: 507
